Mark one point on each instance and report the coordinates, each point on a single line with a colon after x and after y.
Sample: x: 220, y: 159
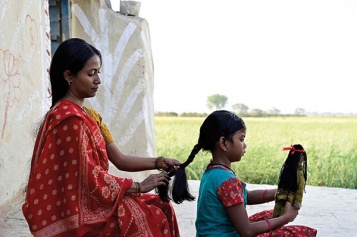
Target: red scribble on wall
x: 10, y: 81
x: 31, y: 30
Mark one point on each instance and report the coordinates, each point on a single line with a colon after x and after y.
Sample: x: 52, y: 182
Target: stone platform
x: 332, y: 211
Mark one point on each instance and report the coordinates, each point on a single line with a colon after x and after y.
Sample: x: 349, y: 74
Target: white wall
x: 24, y: 61
x: 125, y: 99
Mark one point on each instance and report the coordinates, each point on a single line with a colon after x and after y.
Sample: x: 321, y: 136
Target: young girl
x: 222, y: 196
x: 292, y: 179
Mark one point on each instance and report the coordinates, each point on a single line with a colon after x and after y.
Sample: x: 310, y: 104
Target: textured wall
x: 24, y: 61
x: 125, y: 98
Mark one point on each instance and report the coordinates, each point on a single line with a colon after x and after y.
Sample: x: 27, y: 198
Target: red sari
x: 71, y: 193
x: 285, y: 231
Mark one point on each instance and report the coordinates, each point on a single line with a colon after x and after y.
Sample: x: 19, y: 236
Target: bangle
x: 268, y: 222
x: 265, y: 195
x: 157, y: 162
x: 137, y: 189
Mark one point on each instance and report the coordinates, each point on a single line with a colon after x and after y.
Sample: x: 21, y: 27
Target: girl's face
x: 236, y: 149
x: 86, y: 83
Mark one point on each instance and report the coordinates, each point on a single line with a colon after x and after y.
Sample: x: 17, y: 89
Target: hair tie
x: 292, y: 149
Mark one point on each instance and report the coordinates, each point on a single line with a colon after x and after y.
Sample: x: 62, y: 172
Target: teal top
x: 219, y: 188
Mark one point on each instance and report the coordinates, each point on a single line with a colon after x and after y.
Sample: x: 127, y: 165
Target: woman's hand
x: 290, y: 212
x: 153, y: 181
x: 168, y: 164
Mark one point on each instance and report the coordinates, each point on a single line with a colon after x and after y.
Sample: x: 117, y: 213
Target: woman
x: 70, y: 192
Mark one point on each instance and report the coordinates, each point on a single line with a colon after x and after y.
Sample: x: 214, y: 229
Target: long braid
x: 190, y: 158
x: 180, y: 189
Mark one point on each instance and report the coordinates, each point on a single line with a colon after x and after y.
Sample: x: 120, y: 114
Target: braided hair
x: 219, y: 123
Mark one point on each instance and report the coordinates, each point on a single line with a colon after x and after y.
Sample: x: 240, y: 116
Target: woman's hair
x: 217, y: 124
x: 288, y: 177
x: 70, y: 55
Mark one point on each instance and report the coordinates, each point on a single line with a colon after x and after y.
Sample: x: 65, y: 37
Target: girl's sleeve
x: 230, y: 192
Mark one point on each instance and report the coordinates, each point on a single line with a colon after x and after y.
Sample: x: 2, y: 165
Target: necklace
x: 211, y: 164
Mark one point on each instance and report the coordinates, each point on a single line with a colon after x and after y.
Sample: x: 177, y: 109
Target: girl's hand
x: 153, y: 181
x: 168, y: 164
x: 290, y: 212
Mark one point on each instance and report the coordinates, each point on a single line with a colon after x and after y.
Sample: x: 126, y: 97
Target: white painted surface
x: 23, y: 66
x: 125, y: 99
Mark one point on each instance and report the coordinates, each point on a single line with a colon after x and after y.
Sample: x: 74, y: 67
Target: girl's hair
x: 217, y: 124
x: 70, y: 55
x: 288, y: 177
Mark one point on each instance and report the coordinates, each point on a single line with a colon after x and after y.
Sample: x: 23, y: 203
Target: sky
x: 265, y: 54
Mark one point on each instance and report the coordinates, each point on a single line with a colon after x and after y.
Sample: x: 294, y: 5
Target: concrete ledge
x: 332, y: 211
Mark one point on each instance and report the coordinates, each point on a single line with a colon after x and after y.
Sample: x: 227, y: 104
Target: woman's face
x: 86, y: 83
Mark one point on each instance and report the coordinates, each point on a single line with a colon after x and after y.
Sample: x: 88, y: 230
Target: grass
x: 330, y: 144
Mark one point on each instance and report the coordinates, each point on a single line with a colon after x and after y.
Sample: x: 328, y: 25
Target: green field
x: 330, y: 143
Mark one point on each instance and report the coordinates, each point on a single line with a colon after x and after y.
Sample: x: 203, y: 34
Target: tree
x: 256, y: 113
x: 300, y: 111
x: 217, y: 101
x: 274, y: 111
x: 240, y: 109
